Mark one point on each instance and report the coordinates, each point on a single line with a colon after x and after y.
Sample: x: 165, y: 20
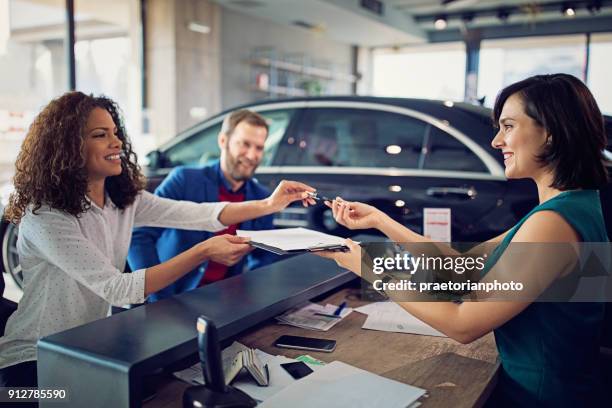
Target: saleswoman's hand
x: 355, y: 215
x: 350, y: 259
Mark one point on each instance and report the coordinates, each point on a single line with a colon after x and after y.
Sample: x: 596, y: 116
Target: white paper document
x: 306, y: 317
x: 292, y: 239
x: 390, y: 317
x: 437, y: 224
x: 339, y: 385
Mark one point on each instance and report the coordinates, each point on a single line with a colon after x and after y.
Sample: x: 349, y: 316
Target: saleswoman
x: 550, y: 131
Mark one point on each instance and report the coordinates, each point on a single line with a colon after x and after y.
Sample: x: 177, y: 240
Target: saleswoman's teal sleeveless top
x: 549, y: 351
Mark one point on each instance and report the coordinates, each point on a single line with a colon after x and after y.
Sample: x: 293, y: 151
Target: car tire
x: 10, y: 258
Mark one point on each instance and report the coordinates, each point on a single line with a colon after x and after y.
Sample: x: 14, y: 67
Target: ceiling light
x: 395, y: 188
x: 400, y: 203
x: 440, y: 22
x: 449, y: 104
x: 394, y: 149
x: 198, y: 27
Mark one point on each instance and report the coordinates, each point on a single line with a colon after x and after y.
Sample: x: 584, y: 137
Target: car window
x: 202, y: 147
x: 444, y: 152
x: 278, y: 120
x: 354, y: 137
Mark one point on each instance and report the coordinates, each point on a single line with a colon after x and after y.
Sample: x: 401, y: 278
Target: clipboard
x: 278, y: 251
x: 291, y: 241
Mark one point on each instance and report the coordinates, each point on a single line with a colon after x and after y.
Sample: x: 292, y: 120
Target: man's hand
x: 350, y: 260
x: 226, y: 249
x: 289, y: 191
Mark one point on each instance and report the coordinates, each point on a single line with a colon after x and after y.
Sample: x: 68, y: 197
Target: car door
x: 461, y: 181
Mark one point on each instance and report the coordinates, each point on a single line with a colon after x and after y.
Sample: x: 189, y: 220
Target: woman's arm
x: 56, y: 238
x: 285, y: 193
x: 468, y: 321
x: 224, y: 249
x: 356, y: 215
x: 154, y: 211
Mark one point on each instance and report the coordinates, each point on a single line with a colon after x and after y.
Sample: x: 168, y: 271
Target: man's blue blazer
x: 151, y: 246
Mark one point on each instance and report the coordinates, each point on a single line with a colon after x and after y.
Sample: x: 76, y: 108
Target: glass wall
x: 32, y: 68
x: 107, y: 53
x: 599, y: 78
x: 434, y: 71
x: 503, y: 62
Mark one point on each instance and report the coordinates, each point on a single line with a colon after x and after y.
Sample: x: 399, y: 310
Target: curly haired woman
x: 78, y: 195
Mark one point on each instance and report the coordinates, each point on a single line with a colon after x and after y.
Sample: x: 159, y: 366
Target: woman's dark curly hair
x: 51, y: 166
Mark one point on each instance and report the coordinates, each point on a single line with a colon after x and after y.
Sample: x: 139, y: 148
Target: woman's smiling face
x: 102, y: 146
x: 521, y: 139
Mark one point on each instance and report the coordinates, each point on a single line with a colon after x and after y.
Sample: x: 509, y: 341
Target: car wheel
x: 10, y: 258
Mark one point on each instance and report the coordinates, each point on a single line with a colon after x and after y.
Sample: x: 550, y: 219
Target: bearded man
x: 241, y: 141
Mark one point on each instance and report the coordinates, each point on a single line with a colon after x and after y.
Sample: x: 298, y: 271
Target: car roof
x: 460, y: 114
x: 472, y: 120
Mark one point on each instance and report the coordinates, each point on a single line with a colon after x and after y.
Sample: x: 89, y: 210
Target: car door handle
x: 459, y: 192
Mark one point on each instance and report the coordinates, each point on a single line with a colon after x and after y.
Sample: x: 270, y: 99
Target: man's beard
x: 232, y: 166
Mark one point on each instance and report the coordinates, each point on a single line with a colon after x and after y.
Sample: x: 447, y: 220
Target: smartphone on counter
x: 297, y: 370
x: 306, y: 343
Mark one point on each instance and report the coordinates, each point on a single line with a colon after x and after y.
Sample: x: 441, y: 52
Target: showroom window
x: 432, y: 71
x: 108, y: 61
x: 32, y: 66
x: 503, y: 62
x: 356, y: 138
x: 598, y: 77
x: 202, y: 147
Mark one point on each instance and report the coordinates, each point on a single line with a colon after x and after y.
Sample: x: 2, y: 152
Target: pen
x: 339, y: 309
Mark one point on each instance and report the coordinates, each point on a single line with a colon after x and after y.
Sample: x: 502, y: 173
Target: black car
x: 401, y: 155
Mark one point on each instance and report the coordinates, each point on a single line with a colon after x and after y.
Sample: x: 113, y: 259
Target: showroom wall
x: 242, y: 36
x: 193, y: 75
x: 183, y: 66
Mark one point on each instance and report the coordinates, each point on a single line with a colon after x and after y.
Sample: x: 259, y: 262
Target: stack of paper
x: 391, y: 317
x: 339, y: 385
x: 258, y: 371
x: 306, y: 317
x: 229, y: 360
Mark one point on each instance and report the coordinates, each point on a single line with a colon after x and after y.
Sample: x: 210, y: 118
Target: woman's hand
x: 289, y: 191
x: 226, y: 249
x: 355, y: 215
x: 350, y: 259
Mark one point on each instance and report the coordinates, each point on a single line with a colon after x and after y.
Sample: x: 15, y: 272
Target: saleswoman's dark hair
x: 565, y: 107
x: 51, y: 165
